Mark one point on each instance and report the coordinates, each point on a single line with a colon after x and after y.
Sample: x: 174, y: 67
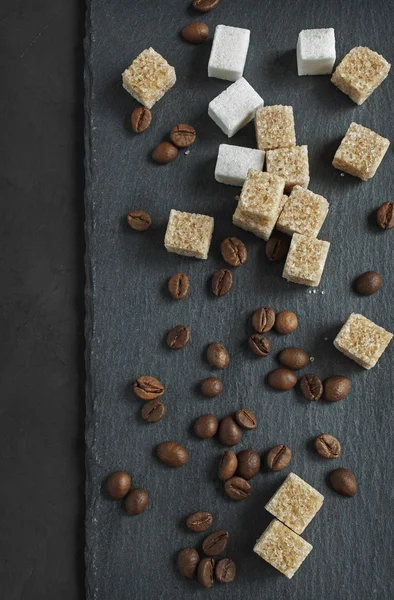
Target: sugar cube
x: 275, y: 127
x: 290, y: 163
x: 234, y: 162
x: 360, y: 152
x: 189, y: 234
x: 316, y: 51
x: 235, y: 107
x: 305, y: 260
x: 282, y: 548
x: 228, y: 54
x: 248, y: 224
x: 148, y: 77
x: 304, y: 213
x: 362, y: 340
x: 360, y: 73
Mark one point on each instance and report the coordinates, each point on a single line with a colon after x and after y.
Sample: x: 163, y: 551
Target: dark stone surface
x: 130, y: 311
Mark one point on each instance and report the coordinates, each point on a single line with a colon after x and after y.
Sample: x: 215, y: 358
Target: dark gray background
x: 129, y: 310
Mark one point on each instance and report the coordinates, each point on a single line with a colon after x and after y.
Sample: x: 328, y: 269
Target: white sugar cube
x: 229, y: 50
x: 234, y: 162
x: 316, y: 51
x: 235, y: 107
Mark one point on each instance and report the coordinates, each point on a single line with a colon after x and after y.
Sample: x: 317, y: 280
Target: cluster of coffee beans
x: 264, y: 319
x: 150, y: 389
x: 118, y: 487
x: 229, y: 429
x: 181, y: 136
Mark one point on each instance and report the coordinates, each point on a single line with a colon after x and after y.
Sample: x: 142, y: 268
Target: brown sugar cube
x: 290, y: 163
x: 360, y: 152
x: 305, y: 260
x: 248, y: 224
x: 304, y: 213
x: 189, y: 234
x: 360, y: 73
x: 275, y: 127
x: 148, y: 77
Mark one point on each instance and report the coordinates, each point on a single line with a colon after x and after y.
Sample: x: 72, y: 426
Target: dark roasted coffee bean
x: 183, y: 135
x: 153, y: 411
x: 217, y: 356
x: 211, y: 387
x: 237, y: 488
x: 279, y: 457
x: 148, y: 388
x: 205, y: 5
x: 294, y: 358
x: 229, y: 432
x: 187, y: 562
x: 118, y: 484
x: 368, y: 283
x: 178, y: 286
x: 336, y: 388
x: 246, y: 419
x: 259, y: 344
x: 344, y: 482
x: 178, y: 337
x: 216, y: 542
x: 328, y: 446
x: 199, y: 521
x: 385, y: 215
x: 172, y: 454
x: 165, y: 153
x: 282, y: 379
x: 233, y: 251
x: 206, y: 426
x: 276, y: 248
x: 196, y: 32
x: 205, y: 572
x: 222, y: 282
x: 141, y: 118
x: 286, y: 322
x: 311, y: 387
x: 228, y: 465
x: 139, y: 220
x: 225, y: 570
x: 263, y: 319
x: 248, y: 464
x: 136, y: 501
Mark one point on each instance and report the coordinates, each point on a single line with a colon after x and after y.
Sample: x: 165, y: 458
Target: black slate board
x: 129, y: 311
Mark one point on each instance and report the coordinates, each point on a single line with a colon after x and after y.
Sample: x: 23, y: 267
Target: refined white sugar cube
x: 235, y: 107
x: 234, y: 162
x: 316, y: 51
x: 228, y: 55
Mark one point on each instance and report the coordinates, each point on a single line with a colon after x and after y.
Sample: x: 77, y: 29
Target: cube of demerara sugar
x: 362, y: 340
x: 148, y: 77
x: 274, y: 127
x: 360, y: 73
x: 228, y: 54
x: 249, y: 224
x: 234, y: 162
x: 304, y: 213
x: 235, y: 107
x: 295, y: 503
x: 316, y: 51
x: 282, y: 548
x: 261, y: 196
x: 189, y: 234
x: 305, y: 260
x: 290, y: 163
x: 360, y: 152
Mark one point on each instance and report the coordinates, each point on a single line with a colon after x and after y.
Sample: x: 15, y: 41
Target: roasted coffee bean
x: 229, y: 432
x: 336, y: 388
x: 205, y: 572
x: 178, y: 337
x: 368, y: 283
x: 199, y: 521
x: 233, y: 251
x: 225, y: 570
x: 311, y: 387
x: 172, y: 454
x: 187, y: 562
x: 237, y: 488
x: 259, y: 344
x: 228, y: 465
x: 136, y: 501
x: 153, y: 411
x: 276, y: 248
x: 141, y: 118
x: 178, y: 286
x: 263, y: 319
x: 183, y: 135
x: 282, y: 379
x: 344, y: 482
x: 286, y: 322
x: 216, y: 542
x: 196, y: 32
x: 385, y: 215
x: 328, y: 446
x: 217, y: 356
x: 206, y: 426
x: 248, y: 464
x: 165, y: 153
x: 222, y: 282
x: 118, y: 484
x: 211, y: 387
x: 279, y: 457
x: 294, y: 358
x: 148, y: 388
x: 246, y: 419
x: 139, y: 220
x: 205, y: 5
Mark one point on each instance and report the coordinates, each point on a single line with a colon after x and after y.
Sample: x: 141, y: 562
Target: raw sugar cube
x: 248, y: 224
x: 362, y: 340
x: 148, y: 77
x: 305, y: 260
x: 275, y: 127
x: 229, y: 50
x: 235, y: 107
x: 304, y: 213
x: 295, y: 503
x: 234, y: 162
x: 282, y: 548
x: 189, y: 234
x: 316, y: 51
x: 360, y: 152
x: 290, y: 163
x: 360, y: 73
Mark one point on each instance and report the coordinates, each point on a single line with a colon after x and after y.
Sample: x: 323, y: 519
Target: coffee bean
x: 205, y: 5
x: 136, y: 501
x: 211, y: 387
x: 233, y: 251
x: 183, y: 135
x: 294, y: 358
x: 199, y: 521
x: 248, y: 464
x: 187, y: 562
x: 282, y: 379
x: 286, y: 322
x: 206, y: 426
x: 195, y: 33
x: 216, y: 542
x: 311, y: 387
x: 222, y: 282
x: 228, y: 465
x: 118, y: 484
x: 368, y: 283
x: 165, y: 153
x: 344, y: 482
x: 178, y: 337
x: 385, y: 215
x: 279, y: 457
x: 139, y: 220
x: 229, y: 432
x: 237, y: 488
x: 205, y: 572
x: 141, y: 118
x: 178, y: 286
x: 217, y: 356
x: 172, y: 454
x: 246, y: 419
x: 225, y: 570
x: 263, y: 319
x: 328, y: 446
x: 276, y: 248
x: 148, y: 388
x: 259, y: 344
x: 336, y: 388
x: 153, y: 411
